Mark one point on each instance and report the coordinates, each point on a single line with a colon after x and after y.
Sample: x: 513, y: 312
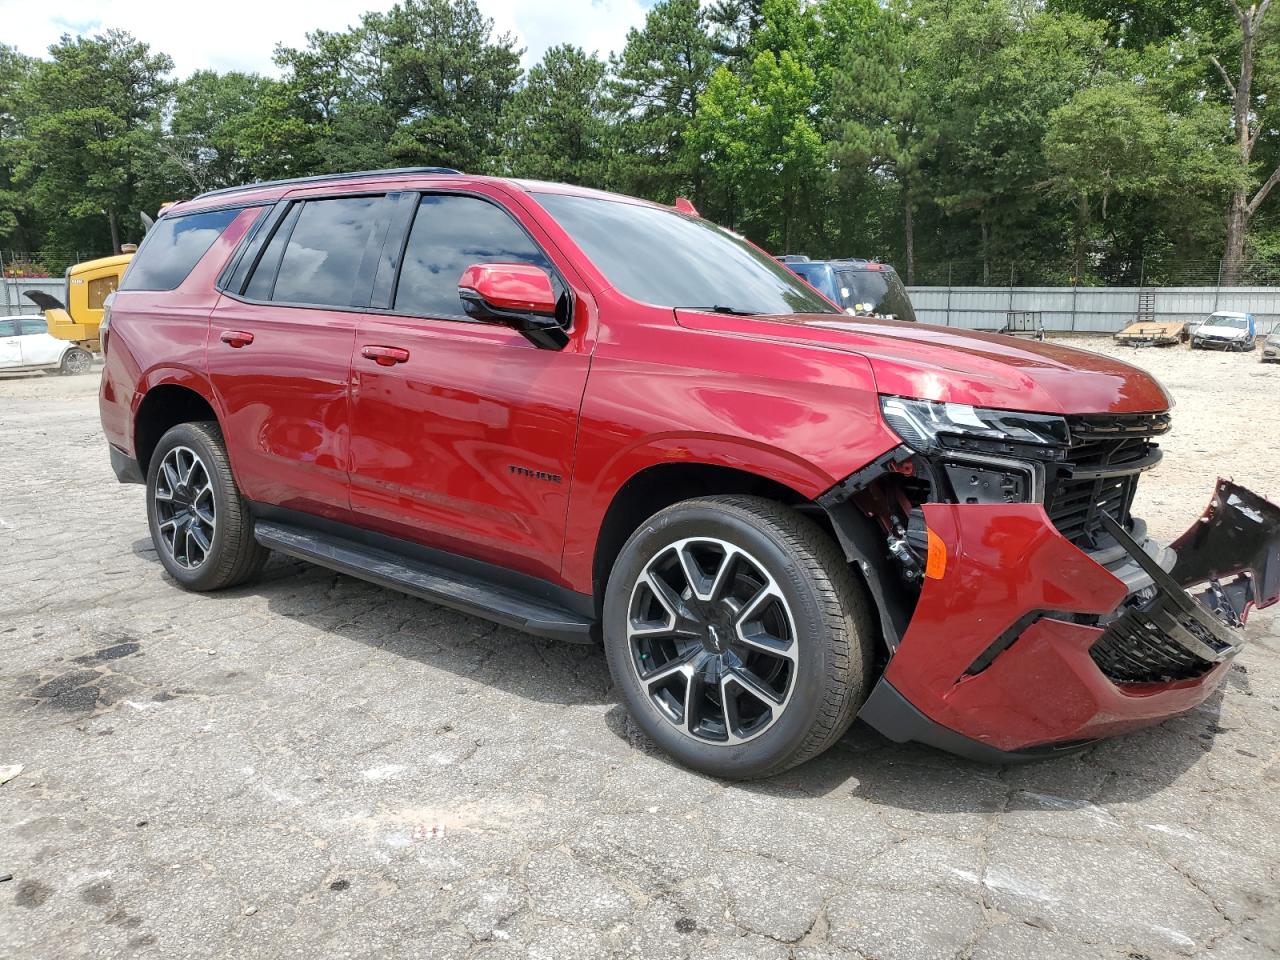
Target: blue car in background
x: 862, y: 288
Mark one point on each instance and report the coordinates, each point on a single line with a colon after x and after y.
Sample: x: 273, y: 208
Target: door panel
x: 10, y: 345
x: 40, y: 349
x: 462, y: 433
x: 468, y: 444
x: 281, y: 370
x: 284, y: 398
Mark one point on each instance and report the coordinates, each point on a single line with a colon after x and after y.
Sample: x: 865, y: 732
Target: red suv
x: 598, y: 419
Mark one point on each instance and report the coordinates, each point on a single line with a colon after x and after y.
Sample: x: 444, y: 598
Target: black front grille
x: 1135, y: 648
x: 1107, y: 455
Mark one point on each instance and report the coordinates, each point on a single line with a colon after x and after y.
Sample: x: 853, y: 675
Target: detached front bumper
x: 1022, y: 645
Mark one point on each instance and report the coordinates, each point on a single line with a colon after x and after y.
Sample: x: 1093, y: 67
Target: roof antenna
x: 684, y: 205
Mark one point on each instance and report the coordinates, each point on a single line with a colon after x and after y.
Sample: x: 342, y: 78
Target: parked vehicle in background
x: 602, y: 420
x: 1271, y: 346
x: 861, y: 288
x: 25, y: 345
x: 1225, y: 330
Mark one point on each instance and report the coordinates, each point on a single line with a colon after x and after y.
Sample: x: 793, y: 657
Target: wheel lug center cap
x: 716, y: 641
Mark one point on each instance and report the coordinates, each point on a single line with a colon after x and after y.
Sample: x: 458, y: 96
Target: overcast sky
x: 240, y: 34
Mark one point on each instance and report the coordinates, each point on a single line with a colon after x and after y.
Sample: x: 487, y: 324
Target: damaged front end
x: 1030, y: 613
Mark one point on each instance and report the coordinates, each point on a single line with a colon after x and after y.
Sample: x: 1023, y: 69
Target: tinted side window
x: 34, y: 325
x: 172, y: 249
x: 8, y: 328
x: 264, y: 275
x: 323, y: 254
x: 448, y: 235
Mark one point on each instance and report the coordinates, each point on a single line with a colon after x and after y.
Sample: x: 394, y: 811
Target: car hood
x: 961, y: 366
x: 1232, y: 333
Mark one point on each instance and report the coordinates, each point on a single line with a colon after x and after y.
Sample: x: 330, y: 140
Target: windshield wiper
x: 721, y: 308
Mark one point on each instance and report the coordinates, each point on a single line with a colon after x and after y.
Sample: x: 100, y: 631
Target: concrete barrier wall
x: 1088, y: 309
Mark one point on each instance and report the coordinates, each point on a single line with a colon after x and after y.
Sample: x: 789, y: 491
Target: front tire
x: 76, y: 362
x: 738, y: 636
x: 200, y: 524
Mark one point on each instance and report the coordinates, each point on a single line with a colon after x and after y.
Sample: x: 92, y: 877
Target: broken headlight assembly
x: 987, y: 456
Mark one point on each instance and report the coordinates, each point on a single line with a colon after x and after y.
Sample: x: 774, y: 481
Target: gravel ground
x: 312, y: 766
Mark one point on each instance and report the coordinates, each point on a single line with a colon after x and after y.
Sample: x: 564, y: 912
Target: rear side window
x: 322, y: 253
x: 35, y: 325
x: 449, y: 234
x: 264, y: 275
x: 172, y: 249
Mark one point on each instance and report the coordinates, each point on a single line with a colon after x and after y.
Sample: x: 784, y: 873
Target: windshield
x: 668, y: 259
x: 873, y: 291
x: 1231, y: 323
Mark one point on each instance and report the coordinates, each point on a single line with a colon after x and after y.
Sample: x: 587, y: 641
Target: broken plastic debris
x: 424, y: 832
x: 9, y: 772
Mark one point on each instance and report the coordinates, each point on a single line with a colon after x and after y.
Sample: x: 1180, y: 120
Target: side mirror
x: 519, y: 295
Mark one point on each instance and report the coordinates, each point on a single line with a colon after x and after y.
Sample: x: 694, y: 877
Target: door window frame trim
x: 415, y: 209
x: 233, y: 280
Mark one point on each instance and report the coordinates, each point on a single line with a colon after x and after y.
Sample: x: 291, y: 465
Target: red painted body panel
x: 285, y: 402
x: 511, y: 286
x: 159, y: 337
x: 434, y: 440
x: 964, y: 366
x: 1003, y: 562
x: 662, y: 393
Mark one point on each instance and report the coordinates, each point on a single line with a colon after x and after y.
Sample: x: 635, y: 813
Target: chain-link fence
x: 1059, y: 271
x: 43, y: 264
x: 42, y: 271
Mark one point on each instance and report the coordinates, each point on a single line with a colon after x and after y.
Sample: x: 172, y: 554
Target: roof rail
x: 322, y: 177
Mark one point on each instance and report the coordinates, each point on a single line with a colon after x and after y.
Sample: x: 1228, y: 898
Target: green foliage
x: 15, y: 209
x: 1087, y: 139
x: 654, y: 91
x: 555, y: 124
x: 90, y: 120
x: 762, y: 146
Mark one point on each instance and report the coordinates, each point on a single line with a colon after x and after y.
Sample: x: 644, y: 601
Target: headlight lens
x: 928, y: 427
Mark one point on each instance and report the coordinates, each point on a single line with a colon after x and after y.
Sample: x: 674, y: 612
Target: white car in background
x: 25, y: 345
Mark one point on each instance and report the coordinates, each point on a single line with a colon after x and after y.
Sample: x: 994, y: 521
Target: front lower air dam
x: 1022, y: 645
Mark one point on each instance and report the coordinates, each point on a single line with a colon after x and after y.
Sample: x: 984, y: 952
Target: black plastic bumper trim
x: 891, y: 714
x: 126, y: 468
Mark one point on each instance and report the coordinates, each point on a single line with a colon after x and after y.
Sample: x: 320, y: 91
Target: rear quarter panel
x: 160, y: 336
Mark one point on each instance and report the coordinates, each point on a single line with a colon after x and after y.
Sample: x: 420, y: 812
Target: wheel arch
x: 164, y: 405
x: 660, y: 485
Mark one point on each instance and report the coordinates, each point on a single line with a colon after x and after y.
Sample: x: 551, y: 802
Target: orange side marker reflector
x: 936, y: 563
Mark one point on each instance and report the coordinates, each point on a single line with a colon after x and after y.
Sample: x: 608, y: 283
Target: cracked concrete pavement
x: 311, y: 766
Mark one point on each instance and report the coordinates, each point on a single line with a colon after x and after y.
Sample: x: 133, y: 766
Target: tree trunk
x: 1237, y: 225
x: 986, y: 251
x: 1242, y: 207
x: 909, y: 227
x: 1082, y: 227
x: 115, y: 231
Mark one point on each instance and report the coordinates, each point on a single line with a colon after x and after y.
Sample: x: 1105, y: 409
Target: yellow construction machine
x: 88, y: 285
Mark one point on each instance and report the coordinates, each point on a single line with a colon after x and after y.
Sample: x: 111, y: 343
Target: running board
x: 449, y: 588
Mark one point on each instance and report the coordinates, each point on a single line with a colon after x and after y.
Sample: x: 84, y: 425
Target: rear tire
x: 759, y: 665
x: 200, y: 524
x: 76, y: 362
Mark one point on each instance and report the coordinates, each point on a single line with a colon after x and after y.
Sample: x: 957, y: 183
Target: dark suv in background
x: 602, y: 420
x: 861, y: 288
